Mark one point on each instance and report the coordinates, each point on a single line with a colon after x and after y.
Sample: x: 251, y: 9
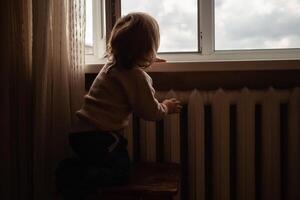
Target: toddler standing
x: 121, y: 88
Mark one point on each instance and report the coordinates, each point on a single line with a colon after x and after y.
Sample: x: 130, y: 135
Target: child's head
x: 134, y: 41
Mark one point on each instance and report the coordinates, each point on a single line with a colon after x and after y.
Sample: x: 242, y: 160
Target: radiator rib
x: 196, y: 146
x: 271, y: 147
x: 221, y: 146
x: 245, y: 145
x: 172, y: 134
x: 294, y: 146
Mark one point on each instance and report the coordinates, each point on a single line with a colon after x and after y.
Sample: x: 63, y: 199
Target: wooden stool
x: 148, y: 181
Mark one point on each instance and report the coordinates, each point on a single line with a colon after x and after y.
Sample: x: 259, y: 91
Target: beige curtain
x: 58, y: 60
x: 15, y: 100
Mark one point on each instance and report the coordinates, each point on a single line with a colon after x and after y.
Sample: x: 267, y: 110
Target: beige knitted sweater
x: 115, y: 94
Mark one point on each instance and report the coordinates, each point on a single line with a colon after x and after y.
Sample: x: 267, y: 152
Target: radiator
x: 242, y: 144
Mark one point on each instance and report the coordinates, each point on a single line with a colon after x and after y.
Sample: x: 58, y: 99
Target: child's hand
x: 159, y: 60
x: 173, y: 105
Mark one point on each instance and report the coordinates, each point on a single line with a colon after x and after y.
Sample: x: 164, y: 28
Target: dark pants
x: 96, y: 164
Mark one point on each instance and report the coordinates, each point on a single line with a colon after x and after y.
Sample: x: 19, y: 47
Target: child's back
x: 116, y: 93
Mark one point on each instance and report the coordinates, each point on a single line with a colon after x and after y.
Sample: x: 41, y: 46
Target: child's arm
x: 146, y: 105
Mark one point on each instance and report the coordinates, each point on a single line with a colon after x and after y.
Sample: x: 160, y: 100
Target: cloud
x: 254, y: 24
x: 257, y: 24
x: 177, y: 20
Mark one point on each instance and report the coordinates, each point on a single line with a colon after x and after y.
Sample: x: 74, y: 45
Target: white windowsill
x: 219, y: 61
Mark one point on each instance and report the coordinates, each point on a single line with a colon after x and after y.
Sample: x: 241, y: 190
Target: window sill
x: 245, y: 60
x: 222, y: 65
x: 208, y: 75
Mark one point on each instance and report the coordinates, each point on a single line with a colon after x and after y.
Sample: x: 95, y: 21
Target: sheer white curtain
x: 58, y: 61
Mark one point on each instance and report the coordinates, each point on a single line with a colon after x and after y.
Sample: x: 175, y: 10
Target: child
x: 121, y: 87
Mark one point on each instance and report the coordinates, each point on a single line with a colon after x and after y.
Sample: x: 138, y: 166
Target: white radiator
x: 242, y: 145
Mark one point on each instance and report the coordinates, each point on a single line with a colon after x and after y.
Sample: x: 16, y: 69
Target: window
x: 95, y: 27
x: 196, y: 30
x: 89, y: 43
x: 178, y: 21
x: 257, y: 24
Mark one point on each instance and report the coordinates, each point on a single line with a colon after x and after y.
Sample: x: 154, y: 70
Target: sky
x: 177, y: 20
x: 89, y: 23
x: 257, y: 24
x: 239, y: 24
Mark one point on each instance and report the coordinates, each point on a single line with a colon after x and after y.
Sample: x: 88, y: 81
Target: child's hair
x: 134, y: 41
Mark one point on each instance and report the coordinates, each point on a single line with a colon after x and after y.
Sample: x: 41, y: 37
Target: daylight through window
x: 89, y: 43
x: 178, y: 21
x: 207, y: 29
x: 257, y: 24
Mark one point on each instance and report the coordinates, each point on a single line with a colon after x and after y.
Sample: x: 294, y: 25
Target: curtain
x: 41, y: 84
x: 58, y: 60
x: 16, y: 100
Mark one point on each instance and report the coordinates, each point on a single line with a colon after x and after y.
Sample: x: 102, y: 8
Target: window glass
x: 257, y: 24
x: 89, y: 27
x: 178, y: 21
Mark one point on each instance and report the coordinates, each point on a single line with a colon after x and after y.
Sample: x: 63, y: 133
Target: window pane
x: 257, y: 24
x: 89, y: 27
x: 177, y: 20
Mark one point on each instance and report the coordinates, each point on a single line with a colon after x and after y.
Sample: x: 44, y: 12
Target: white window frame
x: 99, y: 33
x: 206, y: 43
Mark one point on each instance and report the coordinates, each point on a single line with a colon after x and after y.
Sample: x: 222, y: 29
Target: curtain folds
x: 42, y: 84
x: 16, y: 100
x: 77, y: 25
x: 58, y: 61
